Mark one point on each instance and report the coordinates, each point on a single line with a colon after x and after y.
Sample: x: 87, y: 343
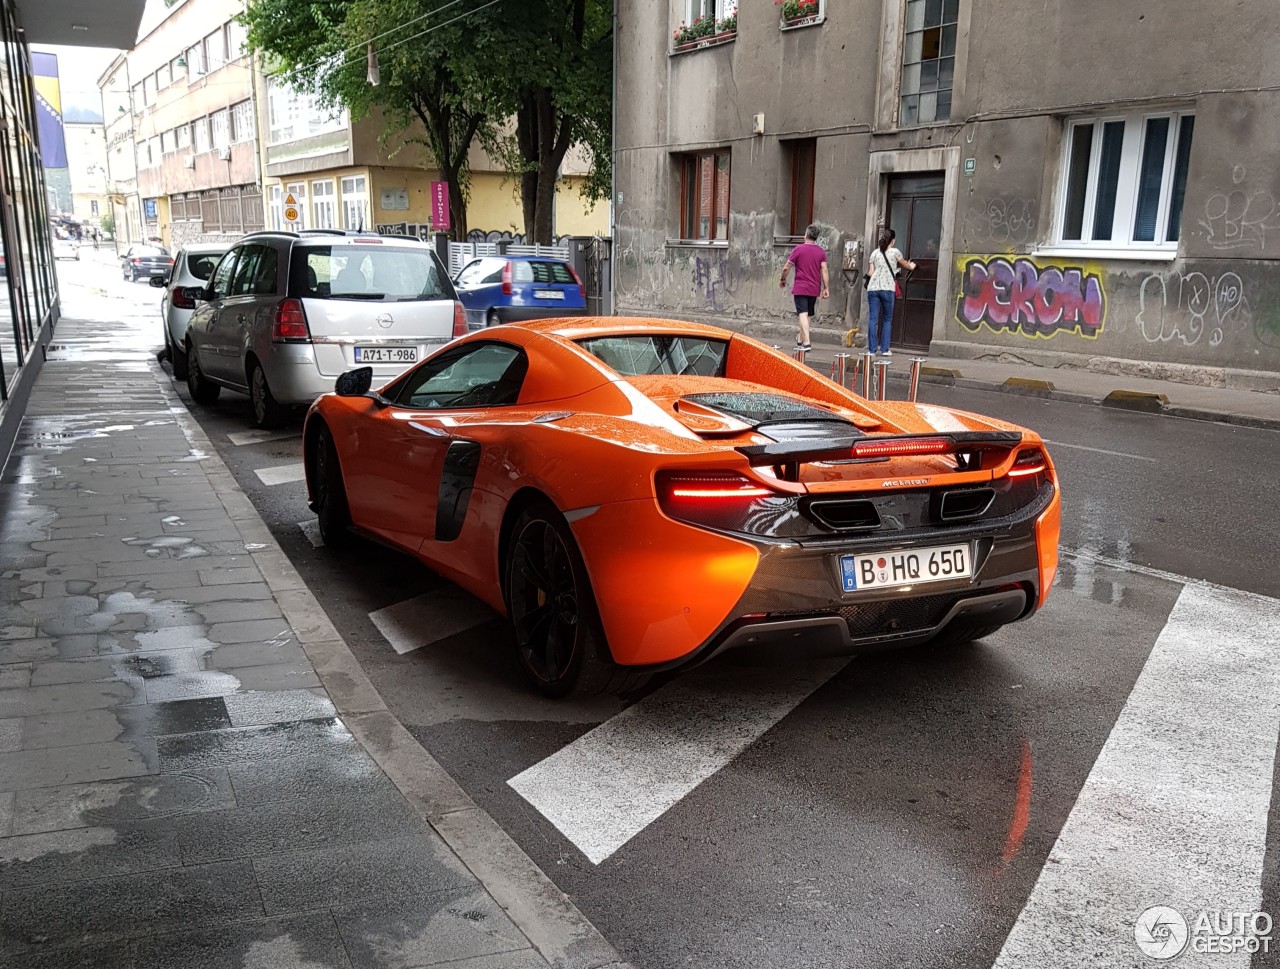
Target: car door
x: 480, y: 287
x: 233, y: 327
x: 412, y: 457
x: 202, y: 329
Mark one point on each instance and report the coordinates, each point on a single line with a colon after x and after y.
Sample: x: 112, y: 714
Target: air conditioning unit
x: 225, y: 153
x: 189, y: 161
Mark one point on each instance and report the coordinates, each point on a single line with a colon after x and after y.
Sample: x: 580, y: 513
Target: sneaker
x: 806, y: 347
x: 887, y: 353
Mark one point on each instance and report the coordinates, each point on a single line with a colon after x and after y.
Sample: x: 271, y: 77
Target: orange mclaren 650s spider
x: 637, y: 495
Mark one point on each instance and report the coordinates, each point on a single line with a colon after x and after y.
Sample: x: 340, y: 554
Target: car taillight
x: 506, y: 280
x: 1029, y: 462
x: 722, y: 500
x: 137, y: 259
x: 290, y: 325
x: 181, y: 300
x: 582, y: 290
x: 459, y: 319
x: 683, y: 486
x: 901, y: 447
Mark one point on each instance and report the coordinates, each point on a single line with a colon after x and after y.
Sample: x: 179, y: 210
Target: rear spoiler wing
x: 965, y: 445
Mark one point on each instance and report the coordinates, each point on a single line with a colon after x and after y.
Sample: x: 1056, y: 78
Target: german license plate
x: 386, y: 354
x: 547, y: 294
x: 907, y: 567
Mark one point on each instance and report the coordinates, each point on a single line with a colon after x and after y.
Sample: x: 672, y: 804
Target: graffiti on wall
x: 1021, y: 296
x: 1190, y: 307
x: 716, y: 280
x: 1002, y: 221
x: 1241, y: 218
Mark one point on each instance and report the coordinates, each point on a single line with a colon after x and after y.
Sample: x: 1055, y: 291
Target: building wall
x: 1021, y: 72
x: 87, y: 158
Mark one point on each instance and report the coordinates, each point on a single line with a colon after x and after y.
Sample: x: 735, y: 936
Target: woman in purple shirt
x: 812, y: 280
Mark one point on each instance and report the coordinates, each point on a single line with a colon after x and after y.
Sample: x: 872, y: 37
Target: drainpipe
x: 613, y: 172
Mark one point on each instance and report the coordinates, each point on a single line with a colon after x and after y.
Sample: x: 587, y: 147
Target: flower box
x: 709, y: 41
x: 704, y: 32
x: 799, y: 13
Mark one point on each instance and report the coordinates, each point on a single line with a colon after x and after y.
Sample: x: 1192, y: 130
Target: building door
x: 915, y: 213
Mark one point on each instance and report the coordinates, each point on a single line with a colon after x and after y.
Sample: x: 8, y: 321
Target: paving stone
x: 187, y: 686
x: 87, y: 762
x: 92, y: 911
x: 270, y: 744
x: 276, y: 706
x: 75, y: 728
x: 214, y: 612
x: 99, y: 852
x: 112, y: 955
x: 27, y: 650
x: 409, y: 866
x: 10, y: 735
x: 66, y: 697
x: 176, y: 717
x: 283, y: 676
x: 113, y: 802
x: 238, y: 655
x: 309, y: 941
x: 230, y: 576
x: 255, y: 631
x: 349, y: 773
x: 151, y: 640
x: 425, y: 930
x: 225, y: 593
x: 6, y: 813
x: 15, y: 677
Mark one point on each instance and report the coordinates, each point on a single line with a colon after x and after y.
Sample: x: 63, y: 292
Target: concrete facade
x: 1202, y: 306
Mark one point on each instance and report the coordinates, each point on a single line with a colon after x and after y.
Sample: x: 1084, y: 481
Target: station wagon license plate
x: 914, y: 566
x: 386, y: 354
x: 547, y: 294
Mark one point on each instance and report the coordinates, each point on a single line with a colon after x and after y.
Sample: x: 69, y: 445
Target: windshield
x: 644, y: 354
x: 367, y: 272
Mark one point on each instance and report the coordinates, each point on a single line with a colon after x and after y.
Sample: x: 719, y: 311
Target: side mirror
x: 159, y: 282
x: 354, y: 383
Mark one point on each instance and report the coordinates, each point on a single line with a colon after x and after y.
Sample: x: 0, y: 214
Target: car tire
x: 560, y: 642
x: 177, y: 358
x: 267, y: 412
x: 961, y: 634
x: 493, y: 319
x: 330, y: 493
x: 202, y: 391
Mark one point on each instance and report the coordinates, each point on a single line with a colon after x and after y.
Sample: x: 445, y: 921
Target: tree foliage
x: 545, y: 63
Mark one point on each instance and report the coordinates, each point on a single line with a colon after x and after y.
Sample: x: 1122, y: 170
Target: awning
x: 81, y: 23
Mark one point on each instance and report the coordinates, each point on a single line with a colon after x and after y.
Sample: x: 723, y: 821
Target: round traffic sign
x: 291, y: 214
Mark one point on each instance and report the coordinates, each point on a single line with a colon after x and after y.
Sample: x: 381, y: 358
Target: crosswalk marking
x: 241, y: 438
x: 429, y: 618
x: 614, y: 781
x: 282, y: 474
x: 311, y: 529
x: 1174, y: 811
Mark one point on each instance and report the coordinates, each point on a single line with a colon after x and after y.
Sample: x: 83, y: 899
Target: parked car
x: 145, y: 262
x: 639, y: 495
x: 66, y: 249
x: 192, y: 266
x: 285, y: 314
x: 507, y: 289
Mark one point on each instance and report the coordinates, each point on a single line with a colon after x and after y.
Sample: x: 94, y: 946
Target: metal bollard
x: 868, y: 362
x: 855, y: 371
x: 799, y: 354
x: 840, y: 369
x: 914, y: 389
x: 882, y: 380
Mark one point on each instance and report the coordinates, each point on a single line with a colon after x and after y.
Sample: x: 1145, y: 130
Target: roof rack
x: 331, y: 232
x: 269, y: 232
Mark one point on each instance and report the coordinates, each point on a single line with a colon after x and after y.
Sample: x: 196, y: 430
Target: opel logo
x: 384, y: 320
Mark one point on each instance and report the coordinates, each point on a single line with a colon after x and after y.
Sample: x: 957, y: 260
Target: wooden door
x: 915, y: 213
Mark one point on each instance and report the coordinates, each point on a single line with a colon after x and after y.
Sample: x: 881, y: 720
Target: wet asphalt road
x: 880, y: 823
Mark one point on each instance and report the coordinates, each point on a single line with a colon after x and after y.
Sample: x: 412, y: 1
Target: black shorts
x: 805, y: 304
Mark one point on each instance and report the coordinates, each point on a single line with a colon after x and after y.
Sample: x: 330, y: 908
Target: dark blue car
x: 506, y: 289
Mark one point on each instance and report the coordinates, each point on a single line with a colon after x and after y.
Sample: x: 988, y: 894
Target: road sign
x: 290, y: 200
x: 290, y: 213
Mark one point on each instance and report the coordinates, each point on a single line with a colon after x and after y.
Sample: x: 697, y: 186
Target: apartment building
x: 1078, y: 182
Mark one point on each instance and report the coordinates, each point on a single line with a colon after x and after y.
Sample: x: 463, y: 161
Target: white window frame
x: 182, y: 136
x: 242, y: 123
x: 1121, y: 245
x: 720, y: 9
x: 215, y: 44
x: 201, y: 145
x: 324, y: 203
x: 195, y: 61
x: 220, y: 128
x: 275, y: 207
x: 355, y: 200
x: 237, y: 40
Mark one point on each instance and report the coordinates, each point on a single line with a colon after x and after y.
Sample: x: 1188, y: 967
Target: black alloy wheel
x: 329, y: 492
x: 267, y: 412
x: 202, y: 391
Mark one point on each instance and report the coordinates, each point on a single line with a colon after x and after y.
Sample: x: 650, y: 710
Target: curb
x: 547, y: 917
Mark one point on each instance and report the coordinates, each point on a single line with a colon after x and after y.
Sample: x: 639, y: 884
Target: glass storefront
x: 28, y: 285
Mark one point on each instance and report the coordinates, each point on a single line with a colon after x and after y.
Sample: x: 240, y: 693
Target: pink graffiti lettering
x: 1035, y: 301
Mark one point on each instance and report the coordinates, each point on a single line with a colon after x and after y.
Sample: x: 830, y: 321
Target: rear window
x: 542, y: 272
x: 203, y: 264
x: 148, y: 251
x: 381, y: 274
x: 638, y: 355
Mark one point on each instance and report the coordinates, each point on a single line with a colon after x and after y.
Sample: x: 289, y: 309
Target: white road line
x: 241, y: 438
x: 614, y: 781
x: 429, y: 618
x: 282, y: 474
x: 1102, y: 450
x: 1174, y: 811
x: 1084, y: 554
x: 311, y: 529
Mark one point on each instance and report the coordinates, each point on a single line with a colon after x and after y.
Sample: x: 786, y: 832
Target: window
x: 355, y: 202
x: 177, y: 71
x: 256, y: 273
x: 275, y: 207
x: 323, y: 206
x: 479, y: 375
x: 292, y: 115
x: 201, y: 265
x: 163, y: 78
x: 149, y: 90
x: 195, y: 60
x: 153, y: 151
x: 242, y: 127
x: 1124, y: 181
x: 704, y: 196
x: 183, y: 136
x: 928, y: 61
x: 641, y: 355
x: 220, y: 123
x: 215, y: 49
x: 481, y: 271
x: 695, y: 10
x: 136, y: 97
x: 166, y: 142
x: 803, y: 156
x: 93, y: 206
x: 201, y: 129
x: 237, y: 40
x: 221, y: 282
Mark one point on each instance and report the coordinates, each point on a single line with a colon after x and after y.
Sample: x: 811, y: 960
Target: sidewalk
x: 194, y: 770
x: 1243, y: 407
